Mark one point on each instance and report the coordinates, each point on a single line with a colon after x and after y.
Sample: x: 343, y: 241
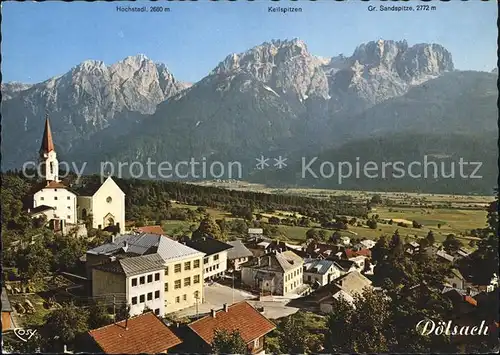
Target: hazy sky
x: 41, y: 40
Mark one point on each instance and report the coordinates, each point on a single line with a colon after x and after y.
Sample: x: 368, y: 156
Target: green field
x: 468, y: 213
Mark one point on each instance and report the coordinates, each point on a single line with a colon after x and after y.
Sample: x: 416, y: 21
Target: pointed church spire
x: 47, y: 143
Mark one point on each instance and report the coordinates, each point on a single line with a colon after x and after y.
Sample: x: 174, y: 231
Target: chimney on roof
x: 113, y: 238
x: 213, y: 313
x: 226, y: 307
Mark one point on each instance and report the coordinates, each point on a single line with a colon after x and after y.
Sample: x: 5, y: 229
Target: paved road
x: 216, y: 295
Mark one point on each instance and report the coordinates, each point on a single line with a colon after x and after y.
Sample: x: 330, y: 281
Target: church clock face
x: 109, y: 199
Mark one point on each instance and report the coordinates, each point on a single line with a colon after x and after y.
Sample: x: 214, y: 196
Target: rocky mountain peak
x: 382, y: 69
x: 89, y: 98
x: 12, y: 88
x: 89, y: 67
x: 379, y: 52
x: 286, y: 66
x: 410, y: 63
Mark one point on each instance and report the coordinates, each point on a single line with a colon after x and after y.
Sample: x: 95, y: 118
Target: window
x: 286, y: 290
x: 196, y: 295
x: 196, y: 264
x: 157, y: 311
x: 196, y: 279
x: 134, y: 300
x: 109, y: 199
x: 134, y: 281
x: 177, y: 299
x: 142, y: 281
x: 157, y: 276
x: 309, y: 278
x: 166, y: 286
x: 141, y: 298
x: 187, y: 265
x: 187, y: 281
x: 68, y: 217
x: 150, y: 296
x: 177, y: 284
x: 256, y: 343
x: 69, y: 207
x: 51, y: 172
x: 157, y: 294
x: 184, y: 297
x: 166, y: 271
x: 150, y: 278
x: 41, y: 198
x: 205, y: 260
x: 216, y: 257
x: 68, y: 198
x: 177, y: 268
x: 55, y: 197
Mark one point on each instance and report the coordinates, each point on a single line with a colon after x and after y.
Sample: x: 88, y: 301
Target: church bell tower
x: 48, y: 156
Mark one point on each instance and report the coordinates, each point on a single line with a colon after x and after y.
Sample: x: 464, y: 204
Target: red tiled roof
x: 151, y: 230
x: 49, y: 185
x: 55, y: 185
x: 471, y: 300
x: 240, y: 316
x: 145, y: 333
x: 362, y: 252
x: 47, y: 143
x: 350, y: 253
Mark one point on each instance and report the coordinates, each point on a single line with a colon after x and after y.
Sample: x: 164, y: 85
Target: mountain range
x: 274, y: 99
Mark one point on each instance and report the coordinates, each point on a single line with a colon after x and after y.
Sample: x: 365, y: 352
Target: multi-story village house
x: 318, y: 272
x: 150, y: 270
x: 275, y: 273
x: 215, y: 259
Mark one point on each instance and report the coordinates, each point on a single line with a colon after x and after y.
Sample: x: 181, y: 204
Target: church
x: 65, y: 207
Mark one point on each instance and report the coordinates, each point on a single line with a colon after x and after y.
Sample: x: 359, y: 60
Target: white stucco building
x: 105, y: 203
x: 319, y: 272
x: 148, y: 270
x: 215, y: 260
x: 140, y: 279
x: 275, y: 273
x: 62, y: 205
